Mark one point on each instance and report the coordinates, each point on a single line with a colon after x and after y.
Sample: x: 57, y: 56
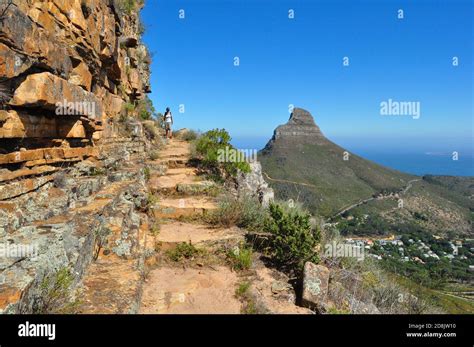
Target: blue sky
x: 299, y: 61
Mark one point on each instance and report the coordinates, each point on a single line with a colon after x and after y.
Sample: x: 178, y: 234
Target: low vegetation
x: 147, y: 173
x: 154, y: 155
x: 244, y: 212
x: 57, y: 294
x: 294, y: 239
x: 210, y: 147
x: 183, y: 251
x: 248, y: 303
x: 240, y: 258
x: 242, y: 290
x: 152, y: 199
x: 101, y: 233
x: 129, y: 6
x: 190, y: 136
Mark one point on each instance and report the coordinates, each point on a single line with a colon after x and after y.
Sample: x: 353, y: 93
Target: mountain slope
x: 303, y: 165
x: 299, y: 152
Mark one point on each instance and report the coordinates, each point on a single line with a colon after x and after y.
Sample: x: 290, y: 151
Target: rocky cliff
x: 66, y: 70
x: 300, y: 129
x: 72, y: 76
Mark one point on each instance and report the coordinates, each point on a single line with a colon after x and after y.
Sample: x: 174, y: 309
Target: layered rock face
x: 66, y: 69
x: 300, y: 128
x: 68, y: 170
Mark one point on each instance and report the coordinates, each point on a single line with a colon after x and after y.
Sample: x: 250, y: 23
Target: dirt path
x: 286, y: 181
x: 387, y: 196
x: 174, y: 287
x: 207, y: 284
x: 152, y: 279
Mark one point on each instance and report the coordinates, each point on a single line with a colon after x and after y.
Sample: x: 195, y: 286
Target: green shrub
x: 182, y: 251
x: 154, y: 155
x: 56, y: 293
x: 129, y: 108
x: 151, y: 130
x: 145, y: 115
x: 190, y: 135
x: 97, y: 171
x: 293, y: 239
x: 129, y: 6
x: 210, y: 147
x: 147, y: 173
x: 244, y: 212
x: 250, y: 308
x: 152, y: 199
x: 240, y: 258
x: 242, y: 290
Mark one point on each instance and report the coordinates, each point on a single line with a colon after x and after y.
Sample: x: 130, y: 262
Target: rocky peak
x: 300, y: 128
x: 300, y: 116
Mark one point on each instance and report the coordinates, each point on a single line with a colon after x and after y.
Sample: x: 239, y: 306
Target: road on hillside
x: 386, y: 196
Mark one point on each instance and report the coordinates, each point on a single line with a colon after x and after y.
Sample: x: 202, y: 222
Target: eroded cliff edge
x: 71, y: 157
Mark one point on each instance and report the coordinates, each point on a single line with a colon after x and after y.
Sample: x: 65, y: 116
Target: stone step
x: 173, y: 208
x: 172, y: 290
x: 175, y: 152
x: 168, y: 181
x: 174, y: 162
x: 112, y: 285
x: 181, y: 184
x: 188, y: 171
x: 177, y: 232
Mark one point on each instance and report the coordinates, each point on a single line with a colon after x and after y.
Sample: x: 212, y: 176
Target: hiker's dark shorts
x: 167, y: 126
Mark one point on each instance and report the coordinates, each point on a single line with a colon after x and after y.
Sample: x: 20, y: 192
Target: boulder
x: 360, y: 307
x: 253, y: 184
x: 48, y: 91
x: 315, y: 286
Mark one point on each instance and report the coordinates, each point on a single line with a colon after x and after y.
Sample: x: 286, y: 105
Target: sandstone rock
x: 112, y: 104
x: 254, y: 184
x: 80, y: 76
x: 67, y: 52
x: 12, y: 63
x: 11, y: 125
x: 20, y: 124
x: 315, y: 286
x: 73, y: 11
x: 20, y: 31
x: 48, y: 91
x: 8, y: 191
x: 279, y: 287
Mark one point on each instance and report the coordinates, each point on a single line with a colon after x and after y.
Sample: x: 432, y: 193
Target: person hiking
x: 168, y: 118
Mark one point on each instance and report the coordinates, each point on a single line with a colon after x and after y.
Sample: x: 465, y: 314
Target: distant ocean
x: 414, y: 163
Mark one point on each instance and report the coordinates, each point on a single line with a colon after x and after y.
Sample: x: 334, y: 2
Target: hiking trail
x: 204, y: 283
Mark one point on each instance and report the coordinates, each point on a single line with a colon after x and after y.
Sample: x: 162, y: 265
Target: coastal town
x: 418, y: 250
